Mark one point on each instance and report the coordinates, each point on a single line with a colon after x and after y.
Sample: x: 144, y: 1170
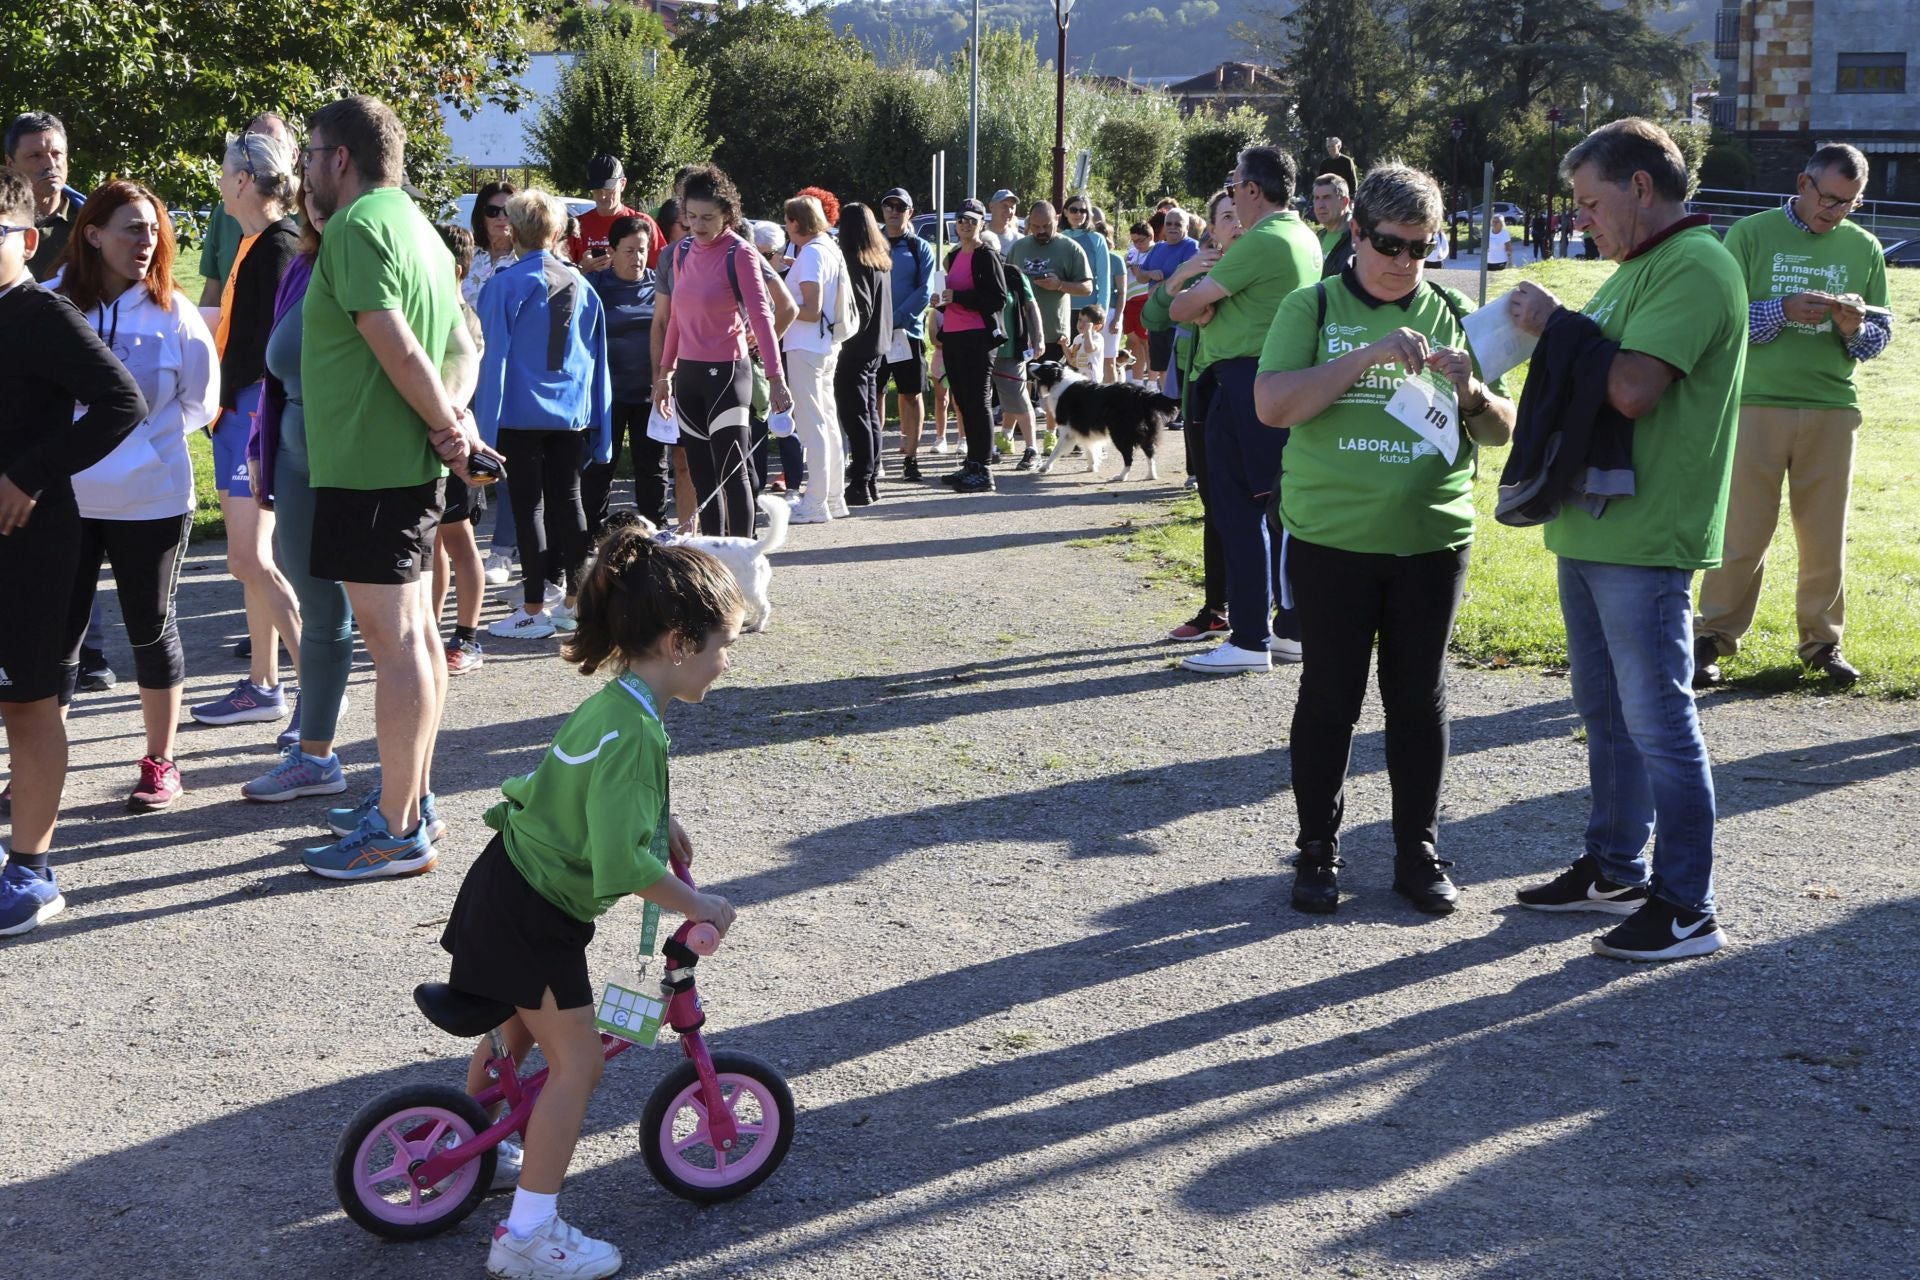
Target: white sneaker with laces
x: 564, y: 619
x: 1284, y: 650
x: 508, y: 1157
x: 553, y: 1250
x: 521, y: 625
x: 1226, y: 658
x: 498, y: 568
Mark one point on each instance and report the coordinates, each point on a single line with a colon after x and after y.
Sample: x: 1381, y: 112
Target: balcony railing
x: 1725, y: 111
x: 1726, y: 35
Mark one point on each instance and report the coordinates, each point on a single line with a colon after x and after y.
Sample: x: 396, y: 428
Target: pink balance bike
x: 417, y: 1159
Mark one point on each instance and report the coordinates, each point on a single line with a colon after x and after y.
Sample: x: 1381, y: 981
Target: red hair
x: 84, y: 277
x: 829, y: 202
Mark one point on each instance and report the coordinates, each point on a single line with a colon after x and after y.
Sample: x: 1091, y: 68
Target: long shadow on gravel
x: 921, y: 548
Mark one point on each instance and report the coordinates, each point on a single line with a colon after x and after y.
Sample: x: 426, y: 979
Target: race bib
x: 1428, y: 405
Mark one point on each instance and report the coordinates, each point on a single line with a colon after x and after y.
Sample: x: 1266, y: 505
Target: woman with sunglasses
x: 1379, y: 519
x: 494, y: 251
x: 1080, y: 230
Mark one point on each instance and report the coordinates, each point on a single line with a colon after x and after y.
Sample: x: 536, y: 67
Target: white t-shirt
x: 1497, y: 245
x: 818, y: 261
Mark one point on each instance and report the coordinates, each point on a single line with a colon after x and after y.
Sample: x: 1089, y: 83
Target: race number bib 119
x: 1429, y: 406
x: 630, y: 1015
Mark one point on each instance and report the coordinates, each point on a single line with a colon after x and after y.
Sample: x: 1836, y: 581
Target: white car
x: 460, y: 213
x: 1515, y: 216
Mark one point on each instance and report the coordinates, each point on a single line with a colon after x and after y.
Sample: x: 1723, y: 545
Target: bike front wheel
x: 679, y: 1146
x: 391, y: 1135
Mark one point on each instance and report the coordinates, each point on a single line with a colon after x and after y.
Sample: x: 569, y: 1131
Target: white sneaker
x: 840, y: 512
x: 1228, y: 657
x: 521, y: 625
x: 555, y: 1249
x: 564, y: 619
x: 498, y: 568
x: 1283, y: 650
x: 509, y: 1156
x: 941, y: 445
x: 801, y: 515
x: 516, y: 595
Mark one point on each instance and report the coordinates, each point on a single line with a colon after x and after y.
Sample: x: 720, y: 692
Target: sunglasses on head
x: 496, y: 211
x: 1393, y: 246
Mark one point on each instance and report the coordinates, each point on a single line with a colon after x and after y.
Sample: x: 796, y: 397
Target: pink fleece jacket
x: 704, y: 322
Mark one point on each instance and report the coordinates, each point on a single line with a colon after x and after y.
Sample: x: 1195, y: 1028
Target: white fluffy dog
x: 745, y: 558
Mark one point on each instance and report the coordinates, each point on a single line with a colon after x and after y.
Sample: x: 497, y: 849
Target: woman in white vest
x: 818, y: 280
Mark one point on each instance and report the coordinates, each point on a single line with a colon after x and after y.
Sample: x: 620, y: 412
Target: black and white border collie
x: 1092, y: 415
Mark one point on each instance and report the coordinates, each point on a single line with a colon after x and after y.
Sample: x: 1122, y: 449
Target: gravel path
x: 1013, y: 920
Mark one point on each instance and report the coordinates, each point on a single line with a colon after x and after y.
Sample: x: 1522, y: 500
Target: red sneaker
x: 1201, y: 626
x: 463, y: 656
x: 159, y: 785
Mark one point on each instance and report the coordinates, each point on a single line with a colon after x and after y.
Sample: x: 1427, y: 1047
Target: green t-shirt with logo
x: 1355, y: 477
x: 589, y: 825
x: 1060, y: 259
x: 1019, y: 294
x: 1684, y: 302
x: 1807, y: 366
x: 1271, y: 259
x: 1330, y: 237
x: 379, y: 254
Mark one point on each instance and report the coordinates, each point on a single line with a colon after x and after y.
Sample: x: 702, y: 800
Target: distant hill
x: 1170, y: 39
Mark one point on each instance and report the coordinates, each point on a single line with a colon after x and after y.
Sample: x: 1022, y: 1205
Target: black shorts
x: 509, y: 943
x: 38, y: 564
x: 465, y: 502
x: 909, y: 377
x: 1160, y: 349
x: 383, y: 537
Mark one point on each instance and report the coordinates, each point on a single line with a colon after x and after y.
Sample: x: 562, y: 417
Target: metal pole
x: 973, y: 115
x: 1060, y: 118
x: 1486, y: 220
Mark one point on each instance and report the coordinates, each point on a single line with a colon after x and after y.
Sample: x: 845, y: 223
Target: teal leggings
x: 326, y: 619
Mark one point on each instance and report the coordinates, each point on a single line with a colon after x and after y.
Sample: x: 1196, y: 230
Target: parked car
x: 460, y: 212
x: 1513, y: 213
x: 1904, y: 253
x: 923, y: 227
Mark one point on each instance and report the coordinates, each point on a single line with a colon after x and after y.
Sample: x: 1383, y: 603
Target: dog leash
x: 687, y: 526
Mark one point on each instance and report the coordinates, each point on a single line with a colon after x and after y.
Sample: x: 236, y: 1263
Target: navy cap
x: 970, y: 208
x: 603, y: 171
x: 901, y: 194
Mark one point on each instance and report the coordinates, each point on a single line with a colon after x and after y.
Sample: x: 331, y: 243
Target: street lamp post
x: 1553, y: 174
x: 973, y: 111
x: 1062, y: 11
x: 1453, y: 227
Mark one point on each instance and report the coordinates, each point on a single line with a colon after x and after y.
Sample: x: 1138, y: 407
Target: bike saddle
x: 457, y: 1012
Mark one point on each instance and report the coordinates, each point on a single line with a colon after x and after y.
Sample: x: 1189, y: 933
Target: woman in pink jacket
x: 705, y: 376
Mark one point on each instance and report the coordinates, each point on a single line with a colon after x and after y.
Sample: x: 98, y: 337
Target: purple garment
x: 263, y: 440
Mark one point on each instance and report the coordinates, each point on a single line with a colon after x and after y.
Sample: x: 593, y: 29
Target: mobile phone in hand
x: 484, y: 468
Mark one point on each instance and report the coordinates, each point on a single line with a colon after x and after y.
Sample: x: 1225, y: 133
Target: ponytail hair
x: 634, y: 592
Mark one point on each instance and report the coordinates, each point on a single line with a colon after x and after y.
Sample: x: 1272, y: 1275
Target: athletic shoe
x: 516, y: 596
x: 555, y: 1251
x: 858, y: 498
x: 508, y: 1157
x: 910, y: 469
x: 95, y: 674
x: 344, y: 822
x: 464, y: 656
x: 1027, y: 460
x: 498, y: 568
x: 27, y: 900
x: 839, y: 510
x: 1706, y: 662
x: 290, y: 736
x: 297, y: 774
x: 974, y: 480
x: 1203, y: 624
x: 801, y: 516
x: 521, y: 625
x: 1827, y: 660
x: 1193, y: 482
x: 243, y: 650
x: 953, y: 477
x: 1422, y: 878
x: 1227, y: 657
x: 159, y: 785
x: 1316, y: 878
x: 372, y: 852
x: 248, y: 703
x: 564, y: 618
x: 1581, y: 887
x: 1661, y: 931
x: 6, y: 802
x: 1283, y: 650
x: 940, y: 445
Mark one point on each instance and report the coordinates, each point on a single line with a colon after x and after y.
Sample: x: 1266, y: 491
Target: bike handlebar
x: 699, y: 937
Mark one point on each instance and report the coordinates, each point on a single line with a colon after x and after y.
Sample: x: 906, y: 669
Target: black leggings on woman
x: 713, y: 402
x: 545, y: 466
x: 146, y: 557
x: 856, y: 392
x: 651, y: 470
x: 969, y: 355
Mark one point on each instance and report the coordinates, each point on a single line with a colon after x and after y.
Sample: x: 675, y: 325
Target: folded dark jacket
x: 1569, y: 444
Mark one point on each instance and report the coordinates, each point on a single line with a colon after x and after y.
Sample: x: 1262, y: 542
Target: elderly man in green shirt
x: 1818, y: 290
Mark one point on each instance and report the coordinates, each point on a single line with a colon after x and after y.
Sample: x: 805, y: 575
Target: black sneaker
x: 858, y: 498
x: 910, y: 469
x: 1421, y: 877
x: 1581, y: 887
x: 1316, y: 878
x: 1027, y: 460
x: 1661, y: 931
x: 95, y: 674
x: 1706, y: 662
x: 1827, y: 660
x: 243, y: 651
x: 974, y: 480
x: 955, y: 476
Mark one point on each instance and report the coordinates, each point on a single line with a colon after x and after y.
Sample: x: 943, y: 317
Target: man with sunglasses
x: 1811, y: 275
x: 912, y: 290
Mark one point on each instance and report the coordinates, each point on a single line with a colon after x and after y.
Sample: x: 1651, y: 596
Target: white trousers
x: 816, y: 424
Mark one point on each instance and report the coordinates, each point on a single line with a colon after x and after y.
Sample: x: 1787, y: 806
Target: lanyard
x: 650, y: 911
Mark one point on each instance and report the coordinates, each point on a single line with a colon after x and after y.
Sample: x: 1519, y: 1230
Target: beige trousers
x: 1812, y: 450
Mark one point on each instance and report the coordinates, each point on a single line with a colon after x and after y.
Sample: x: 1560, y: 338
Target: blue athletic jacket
x: 544, y: 367
x: 912, y: 284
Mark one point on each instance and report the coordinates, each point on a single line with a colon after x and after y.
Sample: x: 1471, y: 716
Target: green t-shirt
x: 1807, y: 366
x: 589, y: 825
x: 1329, y: 237
x: 1010, y: 322
x: 1356, y: 478
x: 1064, y: 260
x: 219, y: 245
x: 1684, y: 302
x: 1271, y: 259
x: 379, y: 254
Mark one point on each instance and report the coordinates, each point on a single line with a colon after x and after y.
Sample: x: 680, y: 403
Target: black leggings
x: 1343, y: 601
x: 146, y: 557
x: 713, y: 401
x: 651, y: 468
x: 1212, y: 558
x: 545, y: 466
x: 856, y: 392
x: 969, y: 381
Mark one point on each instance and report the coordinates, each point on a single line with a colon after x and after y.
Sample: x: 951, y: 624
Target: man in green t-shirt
x: 1333, y: 210
x: 381, y: 434
x: 1818, y: 285
x: 1235, y: 305
x: 1060, y: 273
x: 1676, y: 305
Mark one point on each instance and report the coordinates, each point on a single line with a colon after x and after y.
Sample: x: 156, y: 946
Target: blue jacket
x: 544, y: 367
x: 1098, y: 261
x: 912, y: 283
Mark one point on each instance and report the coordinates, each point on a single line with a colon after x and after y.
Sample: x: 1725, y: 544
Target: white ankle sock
x: 530, y: 1212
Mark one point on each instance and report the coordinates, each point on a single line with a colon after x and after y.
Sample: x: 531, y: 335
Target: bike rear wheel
x: 387, y: 1138
x: 679, y: 1146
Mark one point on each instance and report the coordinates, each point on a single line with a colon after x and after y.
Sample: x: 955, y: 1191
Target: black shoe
x: 244, y: 650
x: 1706, y: 662
x: 6, y: 802
x: 974, y: 480
x: 910, y: 469
x: 1178, y: 424
x: 1827, y: 659
x: 995, y: 459
x: 1581, y: 887
x: 955, y: 476
x: 1421, y: 877
x: 95, y: 674
x: 1661, y: 931
x: 858, y: 498
x: 1027, y: 460
x: 1316, y: 877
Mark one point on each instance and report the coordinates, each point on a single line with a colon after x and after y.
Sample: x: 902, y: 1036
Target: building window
x: 1872, y: 73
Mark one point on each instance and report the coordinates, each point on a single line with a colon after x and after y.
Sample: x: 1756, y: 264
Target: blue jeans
x: 1630, y: 640
x: 1243, y: 465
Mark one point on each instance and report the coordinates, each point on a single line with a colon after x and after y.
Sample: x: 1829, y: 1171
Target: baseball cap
x: 1003, y: 194
x: 901, y: 194
x: 603, y: 171
x: 970, y: 208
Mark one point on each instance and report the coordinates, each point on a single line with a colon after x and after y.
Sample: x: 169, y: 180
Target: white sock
x: 531, y: 1211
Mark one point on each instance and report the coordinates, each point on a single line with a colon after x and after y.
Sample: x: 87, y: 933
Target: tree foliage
x: 627, y: 94
x: 1355, y: 78
x: 1134, y: 155
x: 1213, y: 148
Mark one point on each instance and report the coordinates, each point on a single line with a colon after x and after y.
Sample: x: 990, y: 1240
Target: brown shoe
x: 1828, y: 661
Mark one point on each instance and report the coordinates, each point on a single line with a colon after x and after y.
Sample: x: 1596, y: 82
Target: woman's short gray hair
x: 537, y: 219
x: 1400, y: 194
x: 269, y: 161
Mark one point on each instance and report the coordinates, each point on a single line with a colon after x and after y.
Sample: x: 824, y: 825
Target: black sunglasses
x: 1393, y: 246
x: 496, y: 211
x: 893, y: 204
x: 1076, y: 208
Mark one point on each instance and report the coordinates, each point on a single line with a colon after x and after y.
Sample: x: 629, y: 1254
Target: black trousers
x: 969, y: 381
x: 1213, y: 560
x: 1344, y: 601
x: 714, y: 402
x: 146, y: 556
x: 856, y: 394
x: 652, y: 468
x: 545, y: 466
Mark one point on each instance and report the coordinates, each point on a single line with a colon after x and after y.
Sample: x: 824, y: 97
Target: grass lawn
x: 1512, y: 616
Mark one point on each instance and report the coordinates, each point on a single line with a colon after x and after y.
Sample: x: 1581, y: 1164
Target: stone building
x: 1798, y: 73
